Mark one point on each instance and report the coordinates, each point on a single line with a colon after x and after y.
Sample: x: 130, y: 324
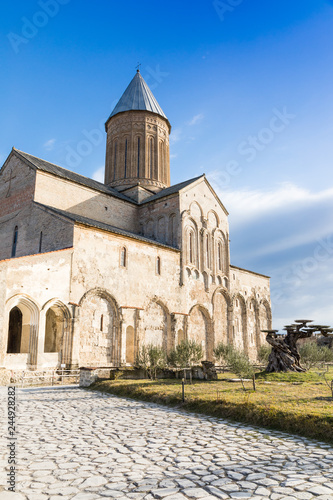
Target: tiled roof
x: 171, y: 190
x: 101, y: 225
x: 138, y: 96
x: 51, y: 168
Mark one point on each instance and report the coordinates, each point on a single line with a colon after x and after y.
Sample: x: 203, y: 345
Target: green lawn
x: 296, y: 403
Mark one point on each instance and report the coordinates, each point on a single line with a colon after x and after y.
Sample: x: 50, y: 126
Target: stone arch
x: 199, y: 328
x: 252, y: 328
x: 150, y: 228
x: 240, y: 323
x: 192, y: 243
x: 173, y: 230
x: 221, y: 316
x: 99, y: 327
x: 196, y: 210
x: 28, y: 317
x: 58, y: 336
x: 213, y: 219
x: 156, y: 325
x: 265, y: 320
x: 161, y: 229
x: 130, y: 345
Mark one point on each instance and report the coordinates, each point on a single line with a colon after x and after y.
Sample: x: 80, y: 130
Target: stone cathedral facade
x: 91, y: 271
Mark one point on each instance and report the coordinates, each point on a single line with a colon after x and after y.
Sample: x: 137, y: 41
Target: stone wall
x: 66, y: 195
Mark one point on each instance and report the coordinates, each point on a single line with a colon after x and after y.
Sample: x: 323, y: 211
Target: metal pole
x: 183, y: 390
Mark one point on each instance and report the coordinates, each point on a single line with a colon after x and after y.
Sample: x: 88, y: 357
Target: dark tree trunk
x: 284, y: 356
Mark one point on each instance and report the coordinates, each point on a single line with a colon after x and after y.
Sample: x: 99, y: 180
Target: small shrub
x: 263, y: 353
x: 186, y: 355
x: 151, y: 358
x: 312, y: 354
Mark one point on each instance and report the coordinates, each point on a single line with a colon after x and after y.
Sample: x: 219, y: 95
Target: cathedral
x: 91, y: 271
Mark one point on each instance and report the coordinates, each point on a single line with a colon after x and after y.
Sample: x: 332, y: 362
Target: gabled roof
x: 171, y: 190
x: 53, y: 169
x: 102, y: 225
x: 138, y: 96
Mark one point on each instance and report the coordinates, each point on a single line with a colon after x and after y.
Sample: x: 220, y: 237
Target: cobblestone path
x: 75, y: 444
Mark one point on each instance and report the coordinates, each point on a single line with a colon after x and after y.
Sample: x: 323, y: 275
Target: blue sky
x: 247, y: 87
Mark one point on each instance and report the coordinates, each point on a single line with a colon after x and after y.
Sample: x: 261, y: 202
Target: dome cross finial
x: 138, y: 68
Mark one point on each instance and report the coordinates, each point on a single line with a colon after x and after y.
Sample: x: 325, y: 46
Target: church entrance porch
x: 22, y: 330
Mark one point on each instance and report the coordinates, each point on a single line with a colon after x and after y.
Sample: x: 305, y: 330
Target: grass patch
x: 305, y: 409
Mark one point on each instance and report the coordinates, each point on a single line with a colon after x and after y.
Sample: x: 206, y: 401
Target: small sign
x: 63, y: 365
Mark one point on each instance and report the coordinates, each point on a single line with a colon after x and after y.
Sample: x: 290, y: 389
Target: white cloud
x: 49, y: 145
x: 246, y: 204
x: 176, y: 135
x: 173, y: 156
x: 196, y: 119
x: 98, y: 174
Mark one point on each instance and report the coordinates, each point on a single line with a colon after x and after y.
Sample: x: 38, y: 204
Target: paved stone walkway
x: 74, y: 444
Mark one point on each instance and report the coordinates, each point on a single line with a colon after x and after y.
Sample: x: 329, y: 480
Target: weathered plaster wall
x: 67, y: 195
x: 31, y: 221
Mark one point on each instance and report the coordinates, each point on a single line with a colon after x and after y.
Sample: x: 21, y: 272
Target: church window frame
x: 15, y: 240
x: 220, y: 256
x: 40, y: 242
x: 115, y: 155
x: 151, y: 157
x: 125, y: 166
x: 191, y: 247
x: 158, y: 266
x: 123, y: 257
x: 138, y: 153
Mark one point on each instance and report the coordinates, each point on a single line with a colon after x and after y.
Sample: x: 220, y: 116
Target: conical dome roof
x: 138, y: 96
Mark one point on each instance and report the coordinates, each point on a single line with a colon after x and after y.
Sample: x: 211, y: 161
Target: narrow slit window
x: 102, y: 321
x: 115, y: 160
x: 158, y: 265
x: 123, y: 257
x: 15, y: 237
x: 219, y: 256
x: 40, y: 242
x: 191, y: 248
x: 125, y: 173
x: 138, y: 156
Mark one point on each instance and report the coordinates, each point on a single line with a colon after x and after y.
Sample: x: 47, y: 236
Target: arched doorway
x: 99, y: 330
x: 155, y: 325
x: 54, y: 329
x: 198, y: 329
x: 221, y: 318
x: 15, y: 331
x: 22, y: 334
x: 239, y: 324
x: 252, y: 330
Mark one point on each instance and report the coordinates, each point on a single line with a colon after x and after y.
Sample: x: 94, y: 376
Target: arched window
x: 123, y: 257
x: 125, y: 170
x: 207, y: 252
x: 138, y: 165
x: 14, y: 331
x: 15, y: 241
x: 158, y: 265
x: 191, y: 247
x: 115, y: 152
x: 161, y: 161
x: 219, y: 256
x: 40, y: 241
x: 151, y: 157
